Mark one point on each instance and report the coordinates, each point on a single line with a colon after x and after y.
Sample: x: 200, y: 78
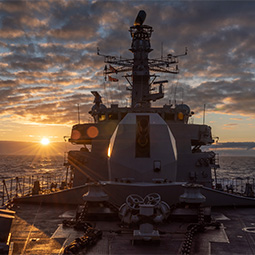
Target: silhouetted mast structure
x: 141, y: 80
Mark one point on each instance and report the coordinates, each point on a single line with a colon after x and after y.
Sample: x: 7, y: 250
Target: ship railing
x: 32, y: 185
x: 217, y: 160
x: 237, y: 185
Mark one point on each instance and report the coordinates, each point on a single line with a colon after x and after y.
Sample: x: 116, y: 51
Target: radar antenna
x: 141, y: 65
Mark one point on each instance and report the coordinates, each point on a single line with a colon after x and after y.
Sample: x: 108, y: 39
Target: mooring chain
x: 201, y: 215
x: 196, y: 227
x: 82, y: 215
x: 79, y: 222
x: 89, y: 239
x: 91, y: 235
x: 186, y: 246
x: 192, y: 230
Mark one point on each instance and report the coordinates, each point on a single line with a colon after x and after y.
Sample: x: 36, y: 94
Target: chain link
x: 91, y: 235
x: 194, y: 228
x: 89, y: 239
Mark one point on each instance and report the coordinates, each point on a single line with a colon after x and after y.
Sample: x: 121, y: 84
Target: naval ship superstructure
x: 143, y: 149
x: 140, y: 143
x: 140, y: 184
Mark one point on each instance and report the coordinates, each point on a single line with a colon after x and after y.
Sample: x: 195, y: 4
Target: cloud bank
x: 48, y: 58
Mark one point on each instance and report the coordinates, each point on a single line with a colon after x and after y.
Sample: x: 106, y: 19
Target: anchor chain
x: 80, y: 217
x: 194, y: 228
x: 78, y: 223
x: 89, y: 239
x: 91, y: 235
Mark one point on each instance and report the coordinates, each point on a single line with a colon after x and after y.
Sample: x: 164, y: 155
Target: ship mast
x: 141, y: 48
x: 141, y: 81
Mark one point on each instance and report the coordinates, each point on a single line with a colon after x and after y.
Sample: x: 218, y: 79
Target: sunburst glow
x: 45, y: 141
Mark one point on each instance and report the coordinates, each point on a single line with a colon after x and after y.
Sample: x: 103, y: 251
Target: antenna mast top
x: 141, y: 65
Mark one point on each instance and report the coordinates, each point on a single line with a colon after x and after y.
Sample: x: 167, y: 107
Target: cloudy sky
x: 49, y: 64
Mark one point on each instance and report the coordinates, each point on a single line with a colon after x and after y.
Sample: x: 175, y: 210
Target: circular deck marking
x: 249, y: 229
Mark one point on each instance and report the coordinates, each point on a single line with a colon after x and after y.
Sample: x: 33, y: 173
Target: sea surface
x: 18, y: 175
x: 16, y: 166
x: 236, y: 167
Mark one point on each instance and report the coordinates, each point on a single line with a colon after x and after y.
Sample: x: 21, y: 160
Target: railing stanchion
x: 4, y: 186
x: 16, y: 188
x: 11, y: 188
x: 23, y: 185
x: 3, y: 193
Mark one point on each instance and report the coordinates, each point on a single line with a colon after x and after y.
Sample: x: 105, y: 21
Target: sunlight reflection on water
x: 11, y: 165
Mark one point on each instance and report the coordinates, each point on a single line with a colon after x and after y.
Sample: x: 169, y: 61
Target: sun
x: 45, y: 141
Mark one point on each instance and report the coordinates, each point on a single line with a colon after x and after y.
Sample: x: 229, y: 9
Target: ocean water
x: 17, y: 166
x: 12, y: 166
x: 18, y: 174
x: 236, y: 167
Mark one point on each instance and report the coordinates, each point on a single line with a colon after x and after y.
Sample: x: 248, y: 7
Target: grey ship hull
x: 118, y: 192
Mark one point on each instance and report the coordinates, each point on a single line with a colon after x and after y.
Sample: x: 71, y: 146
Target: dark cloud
x: 223, y: 96
x: 8, y: 83
x: 48, y: 58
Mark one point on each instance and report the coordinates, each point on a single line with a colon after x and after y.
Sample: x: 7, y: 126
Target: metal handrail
x: 235, y: 185
x: 24, y: 186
